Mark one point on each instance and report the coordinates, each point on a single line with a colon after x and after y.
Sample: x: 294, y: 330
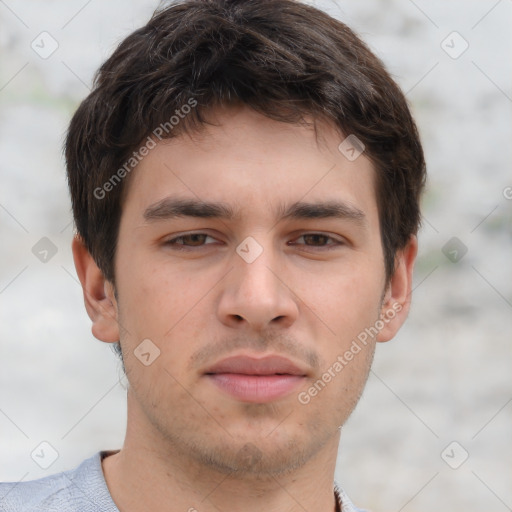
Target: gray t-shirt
x: 82, y: 489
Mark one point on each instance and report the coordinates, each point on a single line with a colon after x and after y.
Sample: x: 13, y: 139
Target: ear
x: 99, y: 298
x: 397, y: 298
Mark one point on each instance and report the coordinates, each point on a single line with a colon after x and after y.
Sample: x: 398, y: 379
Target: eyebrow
x: 324, y: 210
x: 173, y: 207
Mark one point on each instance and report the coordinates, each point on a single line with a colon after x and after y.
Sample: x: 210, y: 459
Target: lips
x: 256, y: 380
x: 270, y: 365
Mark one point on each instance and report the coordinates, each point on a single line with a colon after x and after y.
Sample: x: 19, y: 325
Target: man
x: 245, y: 179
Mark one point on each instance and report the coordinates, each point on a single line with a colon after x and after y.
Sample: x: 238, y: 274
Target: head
x: 221, y: 208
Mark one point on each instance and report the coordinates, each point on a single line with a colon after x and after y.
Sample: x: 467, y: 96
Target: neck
x: 150, y: 473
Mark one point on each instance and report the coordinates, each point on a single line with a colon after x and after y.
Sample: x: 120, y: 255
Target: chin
x: 259, y: 457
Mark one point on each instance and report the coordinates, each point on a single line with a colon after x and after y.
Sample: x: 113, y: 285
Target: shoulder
x: 80, y: 489
x: 48, y: 493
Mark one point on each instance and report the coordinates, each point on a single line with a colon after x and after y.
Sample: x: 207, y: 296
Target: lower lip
x: 256, y: 388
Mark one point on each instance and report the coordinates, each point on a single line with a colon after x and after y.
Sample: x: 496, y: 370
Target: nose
x: 256, y: 295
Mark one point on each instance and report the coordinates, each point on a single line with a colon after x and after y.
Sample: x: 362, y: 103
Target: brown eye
x: 194, y: 239
x: 189, y: 240
x: 316, y: 239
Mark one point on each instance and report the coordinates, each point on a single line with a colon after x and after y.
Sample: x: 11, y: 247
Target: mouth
x: 256, y: 380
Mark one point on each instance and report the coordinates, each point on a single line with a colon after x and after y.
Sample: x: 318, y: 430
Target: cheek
x: 345, y: 302
x: 168, y: 308
x: 338, y: 387
x: 162, y: 393
x: 157, y: 300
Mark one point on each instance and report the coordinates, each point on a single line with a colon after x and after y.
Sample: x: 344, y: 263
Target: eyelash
x: 181, y: 247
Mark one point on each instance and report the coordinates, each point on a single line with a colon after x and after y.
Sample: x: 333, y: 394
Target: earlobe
x: 397, y: 299
x: 99, y: 299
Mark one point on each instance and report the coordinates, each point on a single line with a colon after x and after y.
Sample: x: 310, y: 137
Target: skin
x: 187, y: 443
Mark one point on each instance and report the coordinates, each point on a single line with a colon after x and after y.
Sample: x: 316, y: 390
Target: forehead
x: 254, y: 164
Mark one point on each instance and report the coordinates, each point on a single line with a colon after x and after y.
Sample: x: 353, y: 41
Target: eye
x: 320, y: 240
x: 189, y: 240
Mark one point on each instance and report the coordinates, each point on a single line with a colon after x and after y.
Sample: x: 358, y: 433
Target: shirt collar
x: 343, y: 503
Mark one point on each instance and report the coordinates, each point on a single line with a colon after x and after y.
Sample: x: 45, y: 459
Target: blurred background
x: 433, y: 427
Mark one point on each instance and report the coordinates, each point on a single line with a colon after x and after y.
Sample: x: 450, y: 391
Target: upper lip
x: 268, y: 365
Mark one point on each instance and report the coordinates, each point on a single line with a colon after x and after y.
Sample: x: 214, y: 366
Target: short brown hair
x: 284, y: 59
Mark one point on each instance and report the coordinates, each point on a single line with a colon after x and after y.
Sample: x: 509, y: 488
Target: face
x: 253, y: 239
